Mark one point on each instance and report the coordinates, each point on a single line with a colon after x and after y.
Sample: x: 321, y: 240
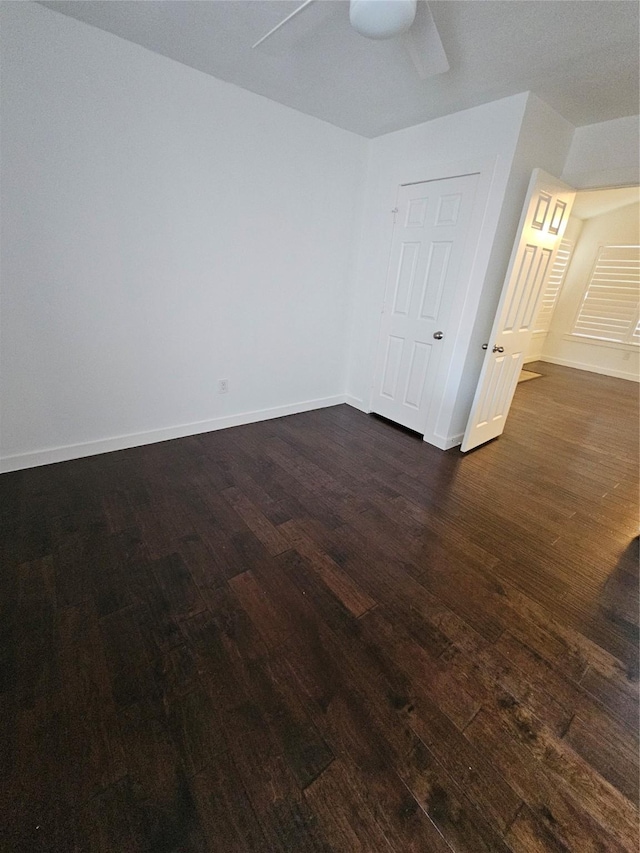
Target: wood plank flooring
x: 321, y: 634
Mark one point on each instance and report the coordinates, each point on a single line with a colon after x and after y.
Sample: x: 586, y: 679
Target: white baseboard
x: 20, y: 461
x: 603, y: 371
x: 446, y: 443
x: 357, y: 403
x: 436, y: 440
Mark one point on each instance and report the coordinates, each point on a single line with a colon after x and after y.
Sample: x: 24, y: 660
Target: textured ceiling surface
x: 580, y: 56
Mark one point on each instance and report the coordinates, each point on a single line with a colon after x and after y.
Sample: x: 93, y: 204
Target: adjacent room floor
x: 319, y: 633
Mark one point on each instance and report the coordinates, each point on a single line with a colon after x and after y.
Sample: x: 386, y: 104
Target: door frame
x: 486, y: 205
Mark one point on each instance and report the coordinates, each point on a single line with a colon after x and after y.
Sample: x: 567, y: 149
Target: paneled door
x: 428, y: 246
x: 544, y: 218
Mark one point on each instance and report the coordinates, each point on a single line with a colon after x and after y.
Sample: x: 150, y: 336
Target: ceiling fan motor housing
x: 381, y: 19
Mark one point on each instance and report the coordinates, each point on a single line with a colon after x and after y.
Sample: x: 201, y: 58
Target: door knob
x: 438, y: 335
x: 485, y: 346
x: 498, y: 349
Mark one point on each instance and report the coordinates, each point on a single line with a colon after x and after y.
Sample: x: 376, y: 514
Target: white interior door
x: 544, y: 218
x: 432, y: 225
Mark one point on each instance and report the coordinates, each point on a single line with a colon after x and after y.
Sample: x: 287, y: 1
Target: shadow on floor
x: 620, y: 600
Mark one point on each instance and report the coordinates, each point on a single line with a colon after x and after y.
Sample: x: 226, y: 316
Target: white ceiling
x: 591, y: 203
x: 580, y: 56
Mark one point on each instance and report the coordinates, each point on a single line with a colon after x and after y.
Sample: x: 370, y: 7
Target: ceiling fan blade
x: 424, y: 46
x: 283, y: 22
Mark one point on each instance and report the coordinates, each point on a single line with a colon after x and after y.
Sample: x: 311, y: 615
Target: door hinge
x: 395, y: 212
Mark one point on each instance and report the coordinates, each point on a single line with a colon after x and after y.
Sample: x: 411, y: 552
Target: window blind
x: 610, y: 306
x: 554, y: 286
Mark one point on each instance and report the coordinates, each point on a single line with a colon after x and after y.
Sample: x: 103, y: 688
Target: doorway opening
x: 588, y: 316
x: 571, y: 297
x: 589, y: 312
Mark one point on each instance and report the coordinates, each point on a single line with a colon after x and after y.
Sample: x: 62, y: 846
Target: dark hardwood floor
x: 319, y: 633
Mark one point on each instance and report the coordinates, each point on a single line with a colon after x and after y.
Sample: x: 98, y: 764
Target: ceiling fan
x: 409, y: 20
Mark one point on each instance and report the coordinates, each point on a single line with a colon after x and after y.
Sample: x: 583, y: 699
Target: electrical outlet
x: 223, y: 386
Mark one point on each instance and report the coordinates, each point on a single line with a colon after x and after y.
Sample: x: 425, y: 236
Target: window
x: 554, y: 285
x: 610, y: 306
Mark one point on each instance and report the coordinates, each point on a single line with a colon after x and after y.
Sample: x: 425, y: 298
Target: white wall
x: 605, y: 154
x: 485, y: 135
x: 543, y: 142
x: 160, y: 230
x: 619, y: 226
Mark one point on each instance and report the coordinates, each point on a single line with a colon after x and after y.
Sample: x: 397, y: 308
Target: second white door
x: 544, y: 218
x: 428, y: 247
